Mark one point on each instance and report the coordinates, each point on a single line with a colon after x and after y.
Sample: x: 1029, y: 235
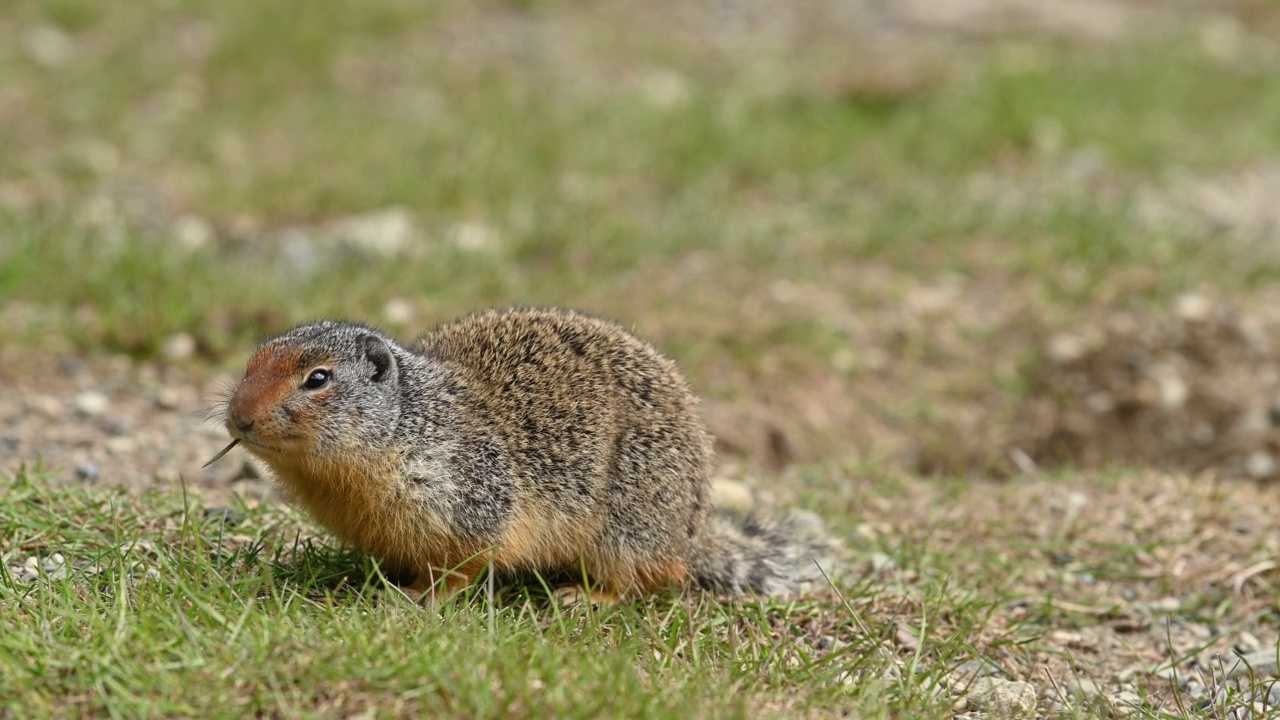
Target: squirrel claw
x: 577, y: 595
x: 436, y: 586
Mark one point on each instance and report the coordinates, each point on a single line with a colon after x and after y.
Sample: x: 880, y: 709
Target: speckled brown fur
x: 535, y: 439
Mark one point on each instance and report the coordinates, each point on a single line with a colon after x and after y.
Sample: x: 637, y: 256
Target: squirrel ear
x: 378, y: 353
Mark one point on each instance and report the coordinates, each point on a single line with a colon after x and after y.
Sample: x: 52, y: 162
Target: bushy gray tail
x: 764, y: 556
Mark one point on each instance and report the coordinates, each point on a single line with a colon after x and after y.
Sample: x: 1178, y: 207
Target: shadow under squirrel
x: 535, y: 439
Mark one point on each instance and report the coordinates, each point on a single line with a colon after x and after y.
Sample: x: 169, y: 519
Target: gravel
x: 1002, y: 698
x: 120, y: 422
x: 1258, y: 664
x: 55, y: 567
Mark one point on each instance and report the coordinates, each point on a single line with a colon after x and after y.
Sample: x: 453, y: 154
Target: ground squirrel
x: 535, y: 439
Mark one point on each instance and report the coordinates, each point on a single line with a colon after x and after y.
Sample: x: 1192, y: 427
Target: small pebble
x: 1003, y: 698
x: 168, y: 398
x: 178, y: 347
x: 193, y: 233
x: 381, y: 233
x: 1066, y: 348
x: 300, y: 252
x: 1258, y: 664
x: 1223, y: 37
x: 1260, y: 465
x: 223, y: 515
x: 1193, y: 307
x: 970, y: 670
x: 1173, y: 390
x: 1100, y: 402
x: 92, y: 403
x: 48, y: 46
x: 167, y: 475
x: 1074, y: 640
x: 88, y: 471
x: 1127, y: 699
x: 881, y: 562
x: 54, y: 567
x: 474, y: 237
x: 123, y: 445
x: 398, y: 311
x: 1083, y: 689
x: 825, y: 642
x: 1248, y: 641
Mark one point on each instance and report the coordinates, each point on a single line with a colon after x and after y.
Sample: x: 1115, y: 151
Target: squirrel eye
x: 316, y: 380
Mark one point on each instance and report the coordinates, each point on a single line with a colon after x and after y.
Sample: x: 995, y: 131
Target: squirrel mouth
x: 254, y: 445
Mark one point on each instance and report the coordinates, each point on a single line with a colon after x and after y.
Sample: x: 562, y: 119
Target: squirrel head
x: 318, y: 389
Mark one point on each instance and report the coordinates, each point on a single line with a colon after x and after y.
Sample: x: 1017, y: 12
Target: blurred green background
x: 844, y: 214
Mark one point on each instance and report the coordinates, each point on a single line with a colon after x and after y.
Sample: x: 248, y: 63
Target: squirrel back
x: 535, y: 439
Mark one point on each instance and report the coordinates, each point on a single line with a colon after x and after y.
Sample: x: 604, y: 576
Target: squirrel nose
x: 242, y: 423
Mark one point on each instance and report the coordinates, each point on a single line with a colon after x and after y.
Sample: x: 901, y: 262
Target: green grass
x: 167, y: 610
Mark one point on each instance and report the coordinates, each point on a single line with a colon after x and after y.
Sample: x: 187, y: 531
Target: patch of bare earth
x: 1149, y: 590
x: 1193, y: 389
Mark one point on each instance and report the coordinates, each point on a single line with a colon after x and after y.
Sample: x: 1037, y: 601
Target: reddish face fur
x: 272, y: 381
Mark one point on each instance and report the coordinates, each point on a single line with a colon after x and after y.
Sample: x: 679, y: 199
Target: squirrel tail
x: 775, y: 556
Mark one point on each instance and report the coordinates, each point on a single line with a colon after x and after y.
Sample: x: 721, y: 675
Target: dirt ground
x: 1191, y: 389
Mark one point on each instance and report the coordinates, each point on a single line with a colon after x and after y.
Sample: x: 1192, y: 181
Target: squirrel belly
x: 532, y: 439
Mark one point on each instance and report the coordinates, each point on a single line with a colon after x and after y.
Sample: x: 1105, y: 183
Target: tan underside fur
x: 539, y: 538
x: 356, y: 500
